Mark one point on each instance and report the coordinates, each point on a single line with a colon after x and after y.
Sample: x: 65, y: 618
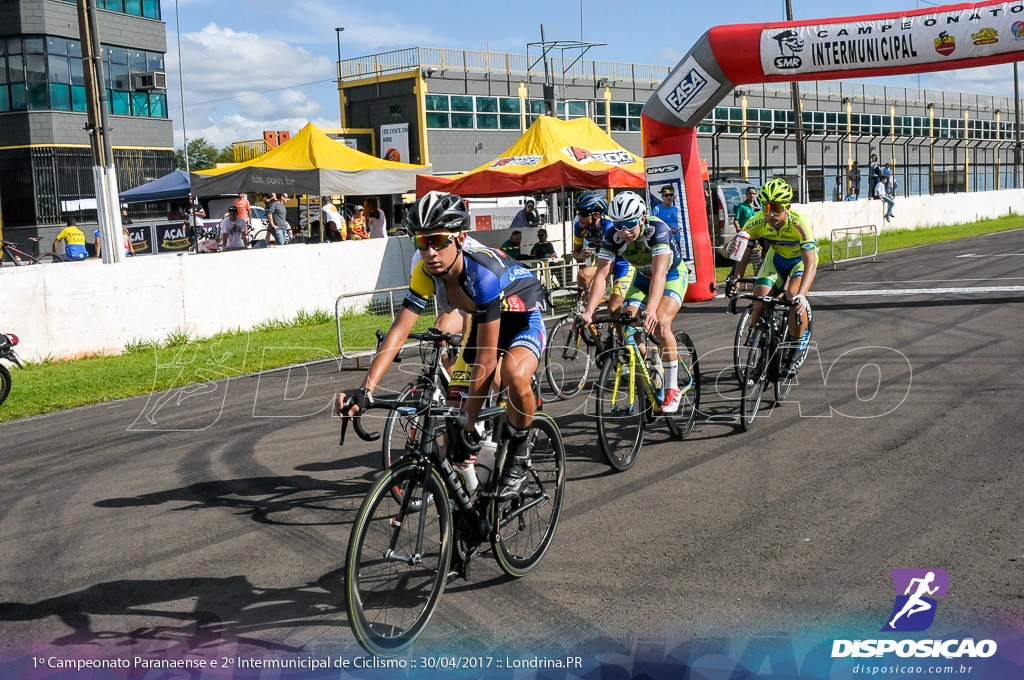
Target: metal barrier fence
x: 847, y: 243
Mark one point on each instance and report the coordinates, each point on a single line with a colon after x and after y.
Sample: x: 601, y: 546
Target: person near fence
x: 543, y: 249
x: 277, y: 215
x: 506, y: 303
x: 357, y: 225
x: 874, y: 175
x: 882, y: 192
x: 513, y: 245
x: 852, y: 193
x: 853, y: 180
x: 126, y: 240
x: 233, y: 230
x: 375, y: 219
x: 746, y: 209
x: 244, y: 207
x: 332, y: 221
x: 74, y: 241
x: 527, y: 217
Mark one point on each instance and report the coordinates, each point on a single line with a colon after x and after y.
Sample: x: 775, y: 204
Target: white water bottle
x: 485, y: 460
x: 469, y: 477
x: 739, y: 246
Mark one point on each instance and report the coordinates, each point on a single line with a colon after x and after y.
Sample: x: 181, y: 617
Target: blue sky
x: 254, y: 65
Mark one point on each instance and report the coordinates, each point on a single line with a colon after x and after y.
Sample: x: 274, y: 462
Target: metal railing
x: 369, y: 310
x: 846, y: 244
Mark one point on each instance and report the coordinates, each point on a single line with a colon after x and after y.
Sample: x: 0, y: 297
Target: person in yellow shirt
x: 357, y: 227
x: 74, y: 242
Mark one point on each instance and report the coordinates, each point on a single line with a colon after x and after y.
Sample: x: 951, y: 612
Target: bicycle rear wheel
x: 50, y: 257
x: 783, y: 386
x: 5, y: 383
x: 682, y: 421
x: 756, y: 378
x: 397, y: 561
x: 740, y: 348
x: 567, y: 358
x: 524, y: 527
x: 621, y: 412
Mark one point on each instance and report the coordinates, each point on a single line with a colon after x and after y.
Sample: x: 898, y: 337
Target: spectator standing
x: 511, y: 247
x: 890, y: 189
x: 853, y: 180
x: 124, y: 217
x: 278, y: 219
x: 126, y: 241
x: 244, y: 208
x: 74, y: 242
x: 543, y: 248
x: 882, y: 193
x: 874, y: 176
x: 375, y: 219
x: 746, y: 209
x: 175, y: 214
x: 332, y: 221
x: 233, y: 230
x: 357, y: 228
x: 527, y: 217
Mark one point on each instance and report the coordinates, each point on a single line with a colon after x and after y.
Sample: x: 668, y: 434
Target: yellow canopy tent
x: 310, y: 163
x: 553, y: 155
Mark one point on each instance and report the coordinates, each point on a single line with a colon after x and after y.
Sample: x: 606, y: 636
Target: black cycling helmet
x: 437, y: 210
x: 591, y: 203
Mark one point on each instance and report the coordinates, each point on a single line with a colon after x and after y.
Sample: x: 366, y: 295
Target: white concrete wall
x: 73, y: 309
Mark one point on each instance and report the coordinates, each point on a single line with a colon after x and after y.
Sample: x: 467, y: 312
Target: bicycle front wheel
x: 621, y: 412
x: 740, y: 348
x: 567, y: 358
x: 524, y: 527
x: 5, y: 383
x: 682, y: 421
x: 398, y: 558
x: 755, y: 378
x: 783, y: 386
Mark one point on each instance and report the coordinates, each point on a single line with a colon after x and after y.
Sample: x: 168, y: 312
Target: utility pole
x: 798, y: 119
x: 1016, y: 135
x: 108, y: 204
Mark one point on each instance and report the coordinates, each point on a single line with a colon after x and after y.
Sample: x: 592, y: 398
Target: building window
x: 437, y: 120
x: 437, y: 102
x: 149, y: 9
x: 462, y: 121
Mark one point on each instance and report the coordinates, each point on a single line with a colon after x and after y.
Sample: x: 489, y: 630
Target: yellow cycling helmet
x: 776, y: 191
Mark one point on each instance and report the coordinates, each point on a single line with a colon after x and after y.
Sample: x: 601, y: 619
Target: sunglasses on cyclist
x: 627, y: 224
x: 435, y: 241
x: 587, y: 213
x: 774, y: 208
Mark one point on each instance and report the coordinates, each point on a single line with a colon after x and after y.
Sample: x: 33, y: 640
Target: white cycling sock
x: 672, y: 374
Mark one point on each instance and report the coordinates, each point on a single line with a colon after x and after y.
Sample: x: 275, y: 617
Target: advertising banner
x: 394, y: 142
x: 141, y: 236
x: 171, y: 238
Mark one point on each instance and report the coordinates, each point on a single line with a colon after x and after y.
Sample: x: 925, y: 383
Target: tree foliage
x: 202, y: 155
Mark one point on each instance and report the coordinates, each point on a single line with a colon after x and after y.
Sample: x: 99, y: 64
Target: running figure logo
x: 914, y: 609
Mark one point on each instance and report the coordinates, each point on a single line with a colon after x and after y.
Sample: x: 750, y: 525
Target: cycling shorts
x: 622, y: 277
x: 675, y: 287
x: 776, y: 270
x: 518, y: 329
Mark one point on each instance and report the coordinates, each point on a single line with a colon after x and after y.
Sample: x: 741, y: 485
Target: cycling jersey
x: 656, y: 239
x: 495, y: 283
x: 592, y: 236
x: 74, y: 243
x: 789, y: 240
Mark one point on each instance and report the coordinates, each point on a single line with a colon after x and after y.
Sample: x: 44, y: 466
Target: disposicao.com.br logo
x: 913, y: 611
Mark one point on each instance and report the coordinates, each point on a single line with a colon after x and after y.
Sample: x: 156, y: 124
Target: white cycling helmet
x: 627, y: 206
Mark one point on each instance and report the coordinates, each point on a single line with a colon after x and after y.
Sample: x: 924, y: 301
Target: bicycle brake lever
x: 732, y: 305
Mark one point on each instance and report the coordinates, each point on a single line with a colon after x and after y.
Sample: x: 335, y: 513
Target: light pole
x: 341, y: 98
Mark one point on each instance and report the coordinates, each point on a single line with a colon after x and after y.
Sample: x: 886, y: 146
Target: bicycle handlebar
x: 455, y: 422
x: 624, y: 318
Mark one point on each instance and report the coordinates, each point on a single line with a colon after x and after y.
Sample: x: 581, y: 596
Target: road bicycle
x: 7, y: 343
x: 572, y: 348
x: 765, y: 349
x: 402, y: 551
x: 630, y: 392
x: 740, y: 348
x: 10, y: 254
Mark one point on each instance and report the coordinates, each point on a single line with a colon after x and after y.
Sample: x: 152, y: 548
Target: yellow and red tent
x: 553, y: 155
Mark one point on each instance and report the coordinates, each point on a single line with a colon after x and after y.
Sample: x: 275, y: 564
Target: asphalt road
x: 213, y: 520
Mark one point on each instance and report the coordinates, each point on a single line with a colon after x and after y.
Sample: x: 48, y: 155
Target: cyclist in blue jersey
x: 659, y: 284
x: 505, y: 301
x: 588, y: 232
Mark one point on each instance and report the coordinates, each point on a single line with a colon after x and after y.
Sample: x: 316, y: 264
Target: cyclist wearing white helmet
x: 505, y: 301
x: 659, y: 283
x: 588, y: 232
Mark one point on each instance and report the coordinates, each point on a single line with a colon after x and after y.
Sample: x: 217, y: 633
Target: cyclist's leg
x: 671, y: 301
x: 522, y: 345
x: 585, y: 275
x: 622, y: 280
x: 768, y: 279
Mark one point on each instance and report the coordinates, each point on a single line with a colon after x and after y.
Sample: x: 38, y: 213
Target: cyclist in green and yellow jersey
x: 789, y: 265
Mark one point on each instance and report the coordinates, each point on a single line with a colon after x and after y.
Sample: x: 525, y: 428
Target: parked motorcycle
x: 7, y: 343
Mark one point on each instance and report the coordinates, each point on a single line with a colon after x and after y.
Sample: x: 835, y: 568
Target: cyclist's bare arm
x: 597, y: 286
x: 740, y: 268
x: 484, y: 366
x: 389, y: 349
x: 580, y: 253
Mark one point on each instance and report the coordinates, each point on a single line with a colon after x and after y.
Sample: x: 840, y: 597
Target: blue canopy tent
x: 174, y: 185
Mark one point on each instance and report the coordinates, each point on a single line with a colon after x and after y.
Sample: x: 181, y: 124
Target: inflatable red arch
x: 933, y: 39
